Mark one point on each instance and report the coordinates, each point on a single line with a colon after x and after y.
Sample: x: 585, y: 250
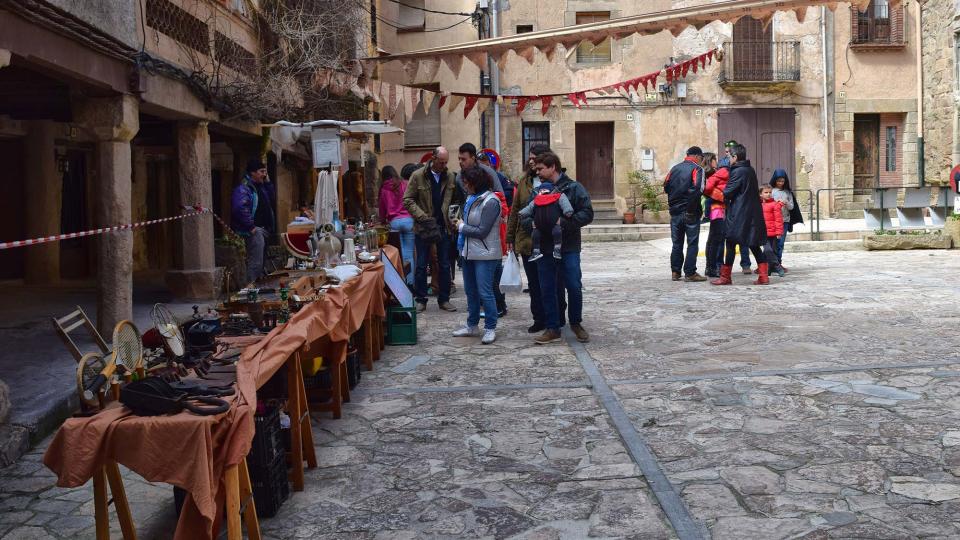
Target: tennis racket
x: 127, y: 353
x: 88, y: 369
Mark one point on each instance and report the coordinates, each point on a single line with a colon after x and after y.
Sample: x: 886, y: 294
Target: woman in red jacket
x: 773, y: 218
x: 716, y: 212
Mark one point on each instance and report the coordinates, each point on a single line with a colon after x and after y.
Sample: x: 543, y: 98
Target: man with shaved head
x: 428, y: 197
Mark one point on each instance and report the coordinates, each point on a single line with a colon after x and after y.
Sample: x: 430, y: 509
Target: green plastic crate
x: 401, y: 325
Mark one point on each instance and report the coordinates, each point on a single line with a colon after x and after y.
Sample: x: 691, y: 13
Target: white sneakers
x: 489, y: 336
x: 467, y: 331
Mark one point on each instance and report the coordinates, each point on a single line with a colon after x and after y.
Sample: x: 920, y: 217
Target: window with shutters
x: 880, y: 25
x: 412, y: 17
x: 588, y: 53
x: 423, y: 131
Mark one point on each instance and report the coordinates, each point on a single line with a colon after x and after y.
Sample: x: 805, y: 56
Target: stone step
x: 607, y: 221
x: 598, y: 228
x: 603, y: 204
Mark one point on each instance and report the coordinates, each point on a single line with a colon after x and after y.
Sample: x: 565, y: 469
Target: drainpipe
x: 823, y: 59
x: 921, y: 166
x: 495, y: 74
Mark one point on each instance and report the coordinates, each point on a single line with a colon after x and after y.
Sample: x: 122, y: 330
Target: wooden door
x: 595, y: 158
x: 866, y: 151
x: 75, y: 253
x: 776, y: 135
x: 752, y: 50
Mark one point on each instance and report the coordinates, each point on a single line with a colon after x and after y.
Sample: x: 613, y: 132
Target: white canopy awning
x: 285, y: 135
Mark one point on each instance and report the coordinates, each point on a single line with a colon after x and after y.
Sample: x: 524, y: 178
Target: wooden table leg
x: 100, y: 504
x: 250, y: 510
x: 231, y: 480
x: 306, y: 427
x: 294, y: 409
x: 120, y: 503
x: 367, y: 350
x: 377, y: 325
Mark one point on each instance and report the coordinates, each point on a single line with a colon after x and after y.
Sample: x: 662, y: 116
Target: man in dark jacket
x: 428, y: 198
x: 520, y: 242
x: 568, y: 267
x: 249, y: 218
x: 744, y: 220
x: 684, y: 187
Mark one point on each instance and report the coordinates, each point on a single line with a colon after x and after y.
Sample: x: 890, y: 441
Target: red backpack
x: 504, y: 214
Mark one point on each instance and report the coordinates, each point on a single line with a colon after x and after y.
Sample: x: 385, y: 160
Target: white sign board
x: 326, y: 147
x: 394, y: 281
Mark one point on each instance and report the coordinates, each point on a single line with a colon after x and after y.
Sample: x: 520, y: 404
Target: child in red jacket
x: 773, y: 217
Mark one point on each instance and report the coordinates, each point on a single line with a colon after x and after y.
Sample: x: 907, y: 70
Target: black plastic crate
x: 270, y: 487
x: 266, y: 439
x: 353, y: 366
x: 275, y: 387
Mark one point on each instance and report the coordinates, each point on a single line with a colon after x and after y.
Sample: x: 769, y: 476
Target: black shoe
x: 502, y: 313
x: 536, y: 327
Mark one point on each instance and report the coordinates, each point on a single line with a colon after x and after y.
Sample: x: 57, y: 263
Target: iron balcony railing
x: 761, y: 61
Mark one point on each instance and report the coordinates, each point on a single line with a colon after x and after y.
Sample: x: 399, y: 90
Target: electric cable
x: 431, y: 10
x: 396, y: 25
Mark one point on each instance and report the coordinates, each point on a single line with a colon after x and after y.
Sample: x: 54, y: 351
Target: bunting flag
x: 468, y: 106
x: 545, y: 102
x: 392, y: 96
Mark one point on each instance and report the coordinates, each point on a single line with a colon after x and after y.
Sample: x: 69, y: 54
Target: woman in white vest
x: 479, y: 245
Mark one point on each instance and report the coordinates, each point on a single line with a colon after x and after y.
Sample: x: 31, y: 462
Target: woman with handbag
x: 393, y: 213
x: 479, y: 245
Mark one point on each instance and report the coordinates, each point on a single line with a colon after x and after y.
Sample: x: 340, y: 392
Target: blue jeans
x: 443, y: 261
x: 555, y: 275
x: 781, y: 242
x: 678, y: 230
x: 715, y: 242
x: 536, y: 300
x: 478, y: 286
x: 404, y: 226
x: 745, y: 256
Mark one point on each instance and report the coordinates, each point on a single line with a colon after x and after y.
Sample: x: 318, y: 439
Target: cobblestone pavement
x: 823, y: 406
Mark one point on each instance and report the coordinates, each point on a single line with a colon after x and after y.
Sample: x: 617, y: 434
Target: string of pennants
x: 395, y: 97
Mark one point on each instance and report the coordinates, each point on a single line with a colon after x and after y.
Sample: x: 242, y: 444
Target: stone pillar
x: 43, y: 191
x: 198, y: 276
x: 114, y: 122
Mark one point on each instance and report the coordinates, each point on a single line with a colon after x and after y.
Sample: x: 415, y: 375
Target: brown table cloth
x: 191, y: 451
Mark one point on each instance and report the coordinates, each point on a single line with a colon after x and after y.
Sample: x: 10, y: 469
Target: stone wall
x: 939, y: 85
x: 117, y: 18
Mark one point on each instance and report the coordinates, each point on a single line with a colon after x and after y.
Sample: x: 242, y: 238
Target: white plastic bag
x: 510, y: 280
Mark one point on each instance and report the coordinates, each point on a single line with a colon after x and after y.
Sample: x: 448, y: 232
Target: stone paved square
x: 826, y: 405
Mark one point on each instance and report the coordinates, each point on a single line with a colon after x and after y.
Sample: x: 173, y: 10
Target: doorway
x: 866, y: 151
x: 75, y: 257
x: 769, y: 136
x: 595, y: 158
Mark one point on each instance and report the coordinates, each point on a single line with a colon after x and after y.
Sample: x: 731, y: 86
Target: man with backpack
x: 684, y: 187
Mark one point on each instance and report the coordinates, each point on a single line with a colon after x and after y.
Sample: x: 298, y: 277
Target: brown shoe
x: 746, y: 271
x: 675, y: 276
x: 548, y: 336
x: 421, y: 307
x: 582, y: 335
x: 446, y: 306
x: 694, y: 277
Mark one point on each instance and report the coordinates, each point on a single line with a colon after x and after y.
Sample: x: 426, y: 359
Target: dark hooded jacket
x: 744, y: 220
x: 796, y: 214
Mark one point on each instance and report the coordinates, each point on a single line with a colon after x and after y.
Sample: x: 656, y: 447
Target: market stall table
x: 198, y: 453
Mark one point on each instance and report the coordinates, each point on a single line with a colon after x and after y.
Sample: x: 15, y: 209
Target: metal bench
x: 945, y: 202
x: 877, y: 212
x: 915, y: 201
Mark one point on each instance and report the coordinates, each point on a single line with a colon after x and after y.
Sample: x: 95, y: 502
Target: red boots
x: 764, y: 278
x: 726, y: 273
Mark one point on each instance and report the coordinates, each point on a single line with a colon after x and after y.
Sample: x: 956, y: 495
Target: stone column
x: 43, y: 195
x: 114, y: 122
x: 198, y: 276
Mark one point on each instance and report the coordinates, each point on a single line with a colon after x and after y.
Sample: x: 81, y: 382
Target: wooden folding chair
x: 65, y: 325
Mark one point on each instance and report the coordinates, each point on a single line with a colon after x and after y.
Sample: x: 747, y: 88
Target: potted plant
x: 651, y: 198
x: 630, y: 214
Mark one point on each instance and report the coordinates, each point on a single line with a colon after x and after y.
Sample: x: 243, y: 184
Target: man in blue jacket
x: 684, y: 187
x: 251, y: 210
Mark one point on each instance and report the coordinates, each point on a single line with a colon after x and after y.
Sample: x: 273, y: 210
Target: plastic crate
x: 270, y: 487
x: 266, y: 440
x: 401, y: 325
x: 353, y: 366
x: 275, y: 387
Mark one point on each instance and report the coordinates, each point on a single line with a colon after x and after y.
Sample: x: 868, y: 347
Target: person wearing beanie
x: 546, y: 209
x: 252, y: 215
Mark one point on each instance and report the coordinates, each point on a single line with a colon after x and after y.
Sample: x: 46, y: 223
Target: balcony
x: 760, y: 65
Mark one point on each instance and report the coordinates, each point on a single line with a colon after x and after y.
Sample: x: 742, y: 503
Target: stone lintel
x: 109, y: 119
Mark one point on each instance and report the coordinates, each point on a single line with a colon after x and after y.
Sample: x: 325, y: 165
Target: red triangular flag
x: 703, y: 61
x: 575, y: 99
x: 469, y: 105
x: 443, y: 99
x: 710, y: 55
x: 545, y: 102
x: 669, y: 75
x: 522, y: 104
x: 645, y: 80
x: 582, y: 96
x: 684, y: 68
x: 696, y: 64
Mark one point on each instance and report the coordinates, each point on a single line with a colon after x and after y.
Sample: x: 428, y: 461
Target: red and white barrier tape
x: 197, y: 210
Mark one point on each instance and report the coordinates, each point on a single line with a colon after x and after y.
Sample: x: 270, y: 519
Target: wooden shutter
x: 588, y: 53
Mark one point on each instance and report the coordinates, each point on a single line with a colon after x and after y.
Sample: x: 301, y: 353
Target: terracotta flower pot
x: 629, y: 218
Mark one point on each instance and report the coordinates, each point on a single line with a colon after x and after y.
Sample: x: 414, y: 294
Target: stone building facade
x: 941, y: 88
x: 95, y: 137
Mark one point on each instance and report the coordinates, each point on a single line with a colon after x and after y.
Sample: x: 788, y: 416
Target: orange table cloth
x: 191, y: 451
